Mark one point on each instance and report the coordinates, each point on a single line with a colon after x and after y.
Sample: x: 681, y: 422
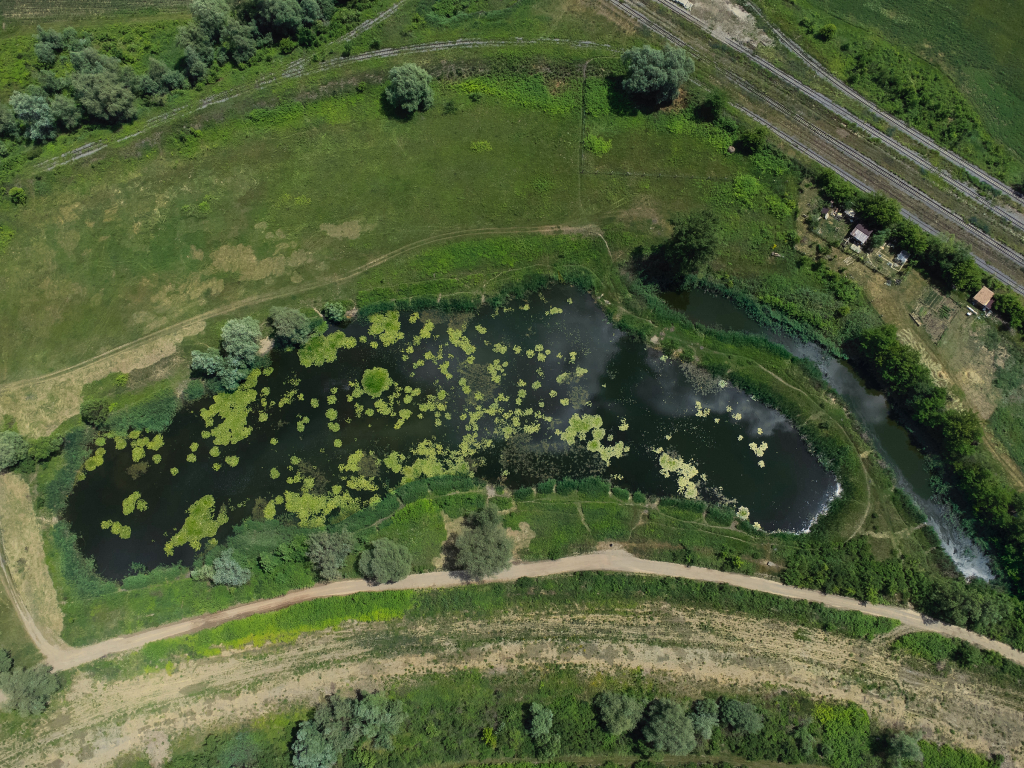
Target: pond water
x: 546, y: 389
x: 892, y: 441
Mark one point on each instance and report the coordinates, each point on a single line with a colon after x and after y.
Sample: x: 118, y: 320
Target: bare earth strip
x: 688, y: 651
x: 610, y: 560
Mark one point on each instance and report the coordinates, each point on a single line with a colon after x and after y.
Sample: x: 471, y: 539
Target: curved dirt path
x: 617, y: 560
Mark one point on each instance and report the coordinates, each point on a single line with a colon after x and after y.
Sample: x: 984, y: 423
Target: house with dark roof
x: 860, y: 234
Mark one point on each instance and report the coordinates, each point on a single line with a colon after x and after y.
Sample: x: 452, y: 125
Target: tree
x: 94, y: 413
x: 961, y: 432
x: 43, y: 448
x: 13, y: 449
x: 695, y: 241
x: 542, y: 723
x: 741, y: 717
x: 656, y: 74
x: 291, y: 325
x: 28, y: 690
x: 408, y: 88
x: 385, y: 562
x: 240, y: 345
x: 667, y: 728
x: 485, y: 549
x: 827, y: 32
x: 66, y: 112
x: 753, y: 140
x: 228, y: 572
x: 704, y: 717
x: 339, y: 725
x: 904, y: 748
x: 215, y: 37
x: 327, y: 552
x: 1010, y: 306
x: 882, y: 212
x: 619, y: 713
x: 31, y: 112
x: 240, y: 751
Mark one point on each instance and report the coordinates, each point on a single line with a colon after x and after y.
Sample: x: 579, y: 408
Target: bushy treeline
x: 80, y: 85
x: 992, y: 501
x: 945, y: 651
x: 467, y: 718
x: 28, y: 691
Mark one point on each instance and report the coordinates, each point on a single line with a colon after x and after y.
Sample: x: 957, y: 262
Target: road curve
x: 616, y: 560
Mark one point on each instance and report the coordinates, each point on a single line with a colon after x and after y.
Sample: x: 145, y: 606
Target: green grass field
x: 976, y: 47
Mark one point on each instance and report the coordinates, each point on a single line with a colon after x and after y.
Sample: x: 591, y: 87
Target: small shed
x: 850, y: 214
x: 984, y: 298
x: 860, y: 234
x: 901, y: 259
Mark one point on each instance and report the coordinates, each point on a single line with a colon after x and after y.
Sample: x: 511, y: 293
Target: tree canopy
x: 28, y: 690
x: 695, y: 241
x: 327, y: 552
x: 619, y: 713
x: 240, y: 344
x: 13, y: 449
x: 656, y: 74
x: 667, y: 728
x: 291, y: 325
x: 408, y: 88
x: 385, y: 562
x: 485, y: 549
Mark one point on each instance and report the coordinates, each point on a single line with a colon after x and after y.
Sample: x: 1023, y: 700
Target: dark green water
x: 892, y: 441
x: 624, y: 383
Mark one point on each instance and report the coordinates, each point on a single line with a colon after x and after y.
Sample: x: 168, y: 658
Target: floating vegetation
x: 375, y: 382
x: 743, y: 513
x: 387, y: 328
x: 199, y: 524
x: 758, y: 449
x: 96, y: 460
x: 231, y: 461
x: 312, y: 509
x: 702, y: 413
x: 117, y: 528
x: 133, y: 502
x: 232, y: 408
x: 174, y: 471
x: 684, y: 472
x: 320, y: 349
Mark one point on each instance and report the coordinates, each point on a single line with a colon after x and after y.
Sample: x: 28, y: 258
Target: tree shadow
x: 623, y: 104
x: 654, y: 267
x: 395, y: 113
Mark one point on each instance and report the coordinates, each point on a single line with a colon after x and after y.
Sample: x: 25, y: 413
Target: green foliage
x: 340, y: 725
x: 557, y: 526
x: 597, y: 145
x: 376, y: 381
x: 546, y: 486
x: 408, y: 88
x: 240, y: 346
x: 228, y: 572
x: 385, y: 562
x: 327, y: 552
x: 485, y: 549
x: 619, y: 712
x: 18, y: 196
x: 13, y: 449
x: 28, y: 691
x: 941, y: 651
x: 667, y: 728
x: 656, y: 74
x: 290, y: 325
x: 418, y: 529
x: 694, y: 242
x: 75, y: 576
x: 904, y: 749
x: 741, y: 716
x: 94, y: 413
x: 846, y: 734
x: 200, y: 524
x: 194, y: 390
x: 154, y: 413
x: 704, y: 717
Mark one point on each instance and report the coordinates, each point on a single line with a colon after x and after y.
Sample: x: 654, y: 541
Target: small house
x: 984, y: 298
x: 860, y: 234
x: 901, y: 259
x: 850, y: 214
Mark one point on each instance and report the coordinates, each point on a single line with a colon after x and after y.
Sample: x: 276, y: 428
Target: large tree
x: 291, y: 325
x: 328, y: 551
x: 385, y: 562
x: 695, y: 241
x: 408, y: 88
x: 655, y: 73
x: 13, y: 449
x: 485, y: 549
x: 667, y: 728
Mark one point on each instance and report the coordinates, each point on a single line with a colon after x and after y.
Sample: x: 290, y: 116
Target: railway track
x: 638, y: 14
x: 1011, y: 217
x: 821, y: 71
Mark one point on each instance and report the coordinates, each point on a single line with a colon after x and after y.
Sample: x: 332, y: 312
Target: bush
x: 523, y: 494
x: 240, y: 348
x: 620, y: 493
x: 741, y: 717
x: 547, y: 486
x: 567, y: 486
x: 28, y: 690
x: 18, y: 196
x: 385, y: 562
x: 327, y: 552
x: 13, y: 449
x: 619, y: 713
x: 668, y: 729
x: 340, y: 725
x: 228, y: 572
x: 194, y: 390
x: 542, y: 722
x: 153, y: 414
x: 444, y: 484
x: 94, y: 413
x: 408, y: 88
x: 903, y: 749
x: 290, y: 325
x: 485, y: 549
x: 335, y: 312
x: 639, y: 498
x: 704, y: 717
x: 414, y: 491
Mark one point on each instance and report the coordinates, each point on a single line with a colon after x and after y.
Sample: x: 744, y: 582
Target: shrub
x: 443, y: 484
x: 153, y: 414
x: 547, y: 486
x: 336, y: 312
x: 667, y: 728
x: 704, y: 717
x: 639, y: 498
x: 741, y: 717
x: 542, y: 722
x: 94, y: 413
x: 903, y: 749
x: 522, y: 494
x: 240, y: 347
x: 567, y: 486
x: 594, y: 487
x: 485, y: 549
x: 194, y: 390
x: 327, y: 552
x: 340, y: 725
x: 290, y: 325
x: 13, y: 449
x: 228, y: 572
x: 408, y: 88
x: 620, y: 493
x: 18, y: 196
x: 619, y: 713
x: 28, y: 690
x: 385, y: 562
x: 414, y: 491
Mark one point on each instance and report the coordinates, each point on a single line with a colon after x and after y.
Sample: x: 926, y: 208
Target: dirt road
x: 611, y: 560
